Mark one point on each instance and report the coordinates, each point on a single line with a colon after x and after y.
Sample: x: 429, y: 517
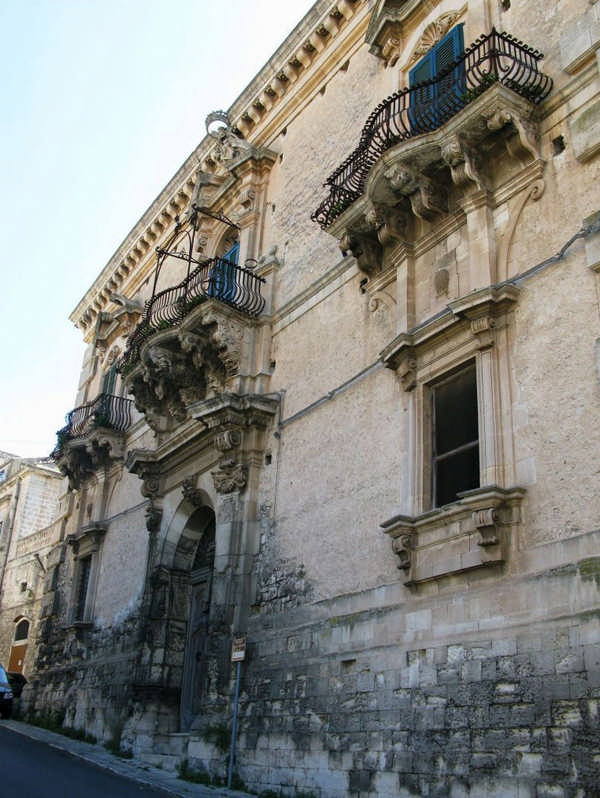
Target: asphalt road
x: 30, y: 769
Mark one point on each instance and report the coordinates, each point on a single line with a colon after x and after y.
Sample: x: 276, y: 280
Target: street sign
x: 238, y: 649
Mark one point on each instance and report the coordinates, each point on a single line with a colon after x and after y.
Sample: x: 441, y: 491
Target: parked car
x: 6, y: 695
x: 17, y: 682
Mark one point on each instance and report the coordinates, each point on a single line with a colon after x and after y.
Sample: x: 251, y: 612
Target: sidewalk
x: 128, y: 768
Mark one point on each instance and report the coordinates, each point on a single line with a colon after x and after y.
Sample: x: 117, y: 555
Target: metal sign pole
x: 238, y: 653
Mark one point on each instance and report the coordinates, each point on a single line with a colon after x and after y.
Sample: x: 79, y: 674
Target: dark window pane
x: 457, y: 473
x: 455, y: 459
x: 456, y: 412
x: 85, y: 566
x: 22, y: 630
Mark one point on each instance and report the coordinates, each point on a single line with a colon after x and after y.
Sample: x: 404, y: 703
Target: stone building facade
x: 30, y: 524
x: 340, y: 399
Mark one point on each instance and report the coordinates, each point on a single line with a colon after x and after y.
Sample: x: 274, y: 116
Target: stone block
x: 548, y: 790
x: 584, y: 129
x: 504, y: 647
x: 471, y: 671
x: 579, y: 40
x: 567, y: 713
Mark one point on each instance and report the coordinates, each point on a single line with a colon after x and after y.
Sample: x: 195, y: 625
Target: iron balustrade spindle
x: 495, y: 58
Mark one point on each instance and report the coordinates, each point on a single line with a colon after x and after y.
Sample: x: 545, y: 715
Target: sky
x: 102, y: 101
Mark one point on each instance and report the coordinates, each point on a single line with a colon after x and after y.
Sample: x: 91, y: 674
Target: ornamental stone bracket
x: 186, y: 364
x: 87, y: 540
x: 230, y: 476
x: 480, y: 314
x: 474, y: 532
x: 430, y: 176
x: 81, y: 458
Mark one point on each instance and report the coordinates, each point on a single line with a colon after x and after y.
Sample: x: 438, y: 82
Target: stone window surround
x: 86, y: 543
x: 472, y: 532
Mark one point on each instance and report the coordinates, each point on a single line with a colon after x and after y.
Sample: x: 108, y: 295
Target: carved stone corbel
x: 483, y: 329
x: 526, y: 132
x: 390, y: 223
x: 153, y: 516
x: 149, y: 472
x: 427, y: 199
x: 464, y: 162
x: 402, y: 546
x: 365, y: 248
x: 230, y: 476
x: 485, y: 522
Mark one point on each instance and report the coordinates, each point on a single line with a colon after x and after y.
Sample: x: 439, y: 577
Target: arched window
x: 22, y: 631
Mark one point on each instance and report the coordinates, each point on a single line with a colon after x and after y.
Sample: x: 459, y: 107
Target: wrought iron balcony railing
x: 216, y: 278
x: 106, y: 410
x: 491, y: 59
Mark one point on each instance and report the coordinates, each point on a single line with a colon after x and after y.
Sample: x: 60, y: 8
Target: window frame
x: 87, y: 545
x: 436, y: 458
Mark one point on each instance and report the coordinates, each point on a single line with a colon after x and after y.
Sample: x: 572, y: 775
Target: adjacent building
x: 340, y: 404
x: 30, y: 526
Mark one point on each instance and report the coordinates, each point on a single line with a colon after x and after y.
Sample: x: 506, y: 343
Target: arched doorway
x: 200, y: 529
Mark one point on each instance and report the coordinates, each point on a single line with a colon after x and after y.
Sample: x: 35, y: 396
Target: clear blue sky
x: 102, y: 100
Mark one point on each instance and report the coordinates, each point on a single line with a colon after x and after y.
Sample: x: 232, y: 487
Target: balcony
x: 495, y: 60
x: 92, y: 437
x: 216, y: 278
x: 195, y: 336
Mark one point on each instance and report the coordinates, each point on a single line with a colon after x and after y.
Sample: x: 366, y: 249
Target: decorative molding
x: 533, y: 192
x: 143, y: 464
x: 191, y: 493
x: 230, y: 476
x: 473, y: 532
x: 433, y: 33
x: 228, y: 439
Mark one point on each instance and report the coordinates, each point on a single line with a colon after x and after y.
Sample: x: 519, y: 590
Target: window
x: 223, y: 277
x: 2, y: 475
x: 86, y: 551
x: 109, y: 380
x: 433, y: 103
x: 455, y: 436
x: 83, y: 581
x: 22, y: 631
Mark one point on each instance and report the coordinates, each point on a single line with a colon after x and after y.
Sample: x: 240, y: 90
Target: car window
x: 3, y: 676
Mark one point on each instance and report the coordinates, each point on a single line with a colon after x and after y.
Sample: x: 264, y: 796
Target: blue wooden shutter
x: 450, y: 87
x: 432, y: 105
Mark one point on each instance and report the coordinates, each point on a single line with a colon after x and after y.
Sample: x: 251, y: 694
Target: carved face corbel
x: 390, y: 223
x: 365, y: 248
x: 427, y: 199
x: 464, y: 162
x: 402, y: 547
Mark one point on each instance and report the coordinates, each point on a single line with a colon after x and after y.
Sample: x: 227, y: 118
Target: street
x: 31, y: 769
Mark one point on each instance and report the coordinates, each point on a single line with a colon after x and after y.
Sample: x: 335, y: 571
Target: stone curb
x: 131, y: 769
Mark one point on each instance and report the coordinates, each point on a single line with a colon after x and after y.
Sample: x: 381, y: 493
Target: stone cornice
x: 256, y: 113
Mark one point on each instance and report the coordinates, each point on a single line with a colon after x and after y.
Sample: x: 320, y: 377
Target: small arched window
x: 22, y: 631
